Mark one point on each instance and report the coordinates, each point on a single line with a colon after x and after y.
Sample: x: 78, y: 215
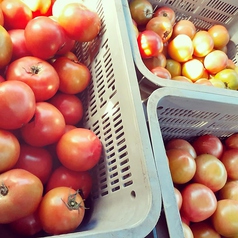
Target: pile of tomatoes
x: 175, y: 49
x: 45, y: 154
x: 204, y: 173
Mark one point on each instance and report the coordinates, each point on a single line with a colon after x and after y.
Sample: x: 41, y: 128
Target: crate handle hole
x: 133, y: 194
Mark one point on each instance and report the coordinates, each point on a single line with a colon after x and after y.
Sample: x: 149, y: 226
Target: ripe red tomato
x: 78, y: 74
x: 17, y: 104
x: 27, y: 226
x: 36, y: 160
x: 181, y: 164
x: 79, y: 149
x: 21, y: 193
x: 10, y: 150
x: 229, y: 191
x: 210, y: 171
x: 199, y: 202
x: 16, y: 14
x: 69, y: 105
x: 61, y: 210
x: 230, y: 159
x: 165, y: 11
x: 37, y: 73
x: 178, y: 143
x: 18, y: 43
x: 79, y: 22
x: 208, y: 144
x: 150, y: 44
x: 46, y: 127
x: 49, y: 37
x: 225, y: 219
x: 62, y: 176
x: 232, y: 141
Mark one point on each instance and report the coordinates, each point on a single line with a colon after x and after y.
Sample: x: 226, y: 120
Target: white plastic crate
x: 204, y: 14
x: 126, y: 197
x: 181, y: 113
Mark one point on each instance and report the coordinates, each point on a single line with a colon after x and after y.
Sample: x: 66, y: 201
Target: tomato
x: 203, y: 229
x: 18, y: 102
x: 178, y: 143
x: 61, y: 210
x: 165, y: 11
x: 187, y: 231
x: 204, y: 81
x: 184, y: 27
x: 182, y: 79
x: 225, y: 219
x: 36, y: 73
x: 6, y: 47
x: 9, y: 150
x: 208, y: 144
x: 78, y: 74
x: 16, y: 14
x: 229, y: 191
x: 18, y: 43
x: 232, y: 141
x: 162, y: 26
x: 36, y: 160
x: 203, y: 43
x: 199, y: 202
x: 76, y: 180
x: 230, y: 159
x: 141, y: 11
x: 41, y: 6
x: 150, y: 44
x: 79, y: 22
x: 193, y: 69
x: 1, y: 18
x: 210, y: 171
x: 71, y: 56
x: 215, y: 61
x: 220, y: 36
x: 180, y: 48
x: 173, y: 67
x: 27, y: 226
x: 153, y: 62
x: 161, y: 72
x: 79, y: 149
x: 178, y: 197
x: 46, y: 127
x: 181, y: 164
x: 49, y: 38
x: 21, y: 193
x: 69, y: 105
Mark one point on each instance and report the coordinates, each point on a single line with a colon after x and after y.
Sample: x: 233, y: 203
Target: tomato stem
x: 3, y: 190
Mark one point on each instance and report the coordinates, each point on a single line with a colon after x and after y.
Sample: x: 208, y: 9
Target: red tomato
x: 36, y: 160
x: 78, y: 73
x: 79, y: 149
x: 161, y: 72
x: 165, y: 12
x: 18, y: 102
x: 69, y: 105
x: 16, y: 14
x: 153, y: 62
x: 232, y: 141
x: 18, y: 43
x: 61, y: 210
x: 141, y: 11
x: 37, y: 73
x: 21, y: 193
x: 203, y: 229
x: 49, y: 37
x: 230, y: 159
x: 229, y: 191
x: 210, y: 171
x: 76, y: 180
x: 46, y: 127
x: 208, y: 144
x: 199, y: 202
x: 178, y: 143
x: 10, y: 150
x: 27, y: 226
x: 225, y: 219
x: 181, y: 164
x: 150, y: 44
x: 79, y: 22
x: 40, y: 6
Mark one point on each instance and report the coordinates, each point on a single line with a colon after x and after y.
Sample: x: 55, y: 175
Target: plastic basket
x: 126, y: 197
x: 203, y: 14
x: 180, y: 113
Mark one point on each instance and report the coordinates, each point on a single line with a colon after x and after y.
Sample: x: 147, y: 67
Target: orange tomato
x: 184, y: 27
x: 165, y: 12
x: 193, y: 69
